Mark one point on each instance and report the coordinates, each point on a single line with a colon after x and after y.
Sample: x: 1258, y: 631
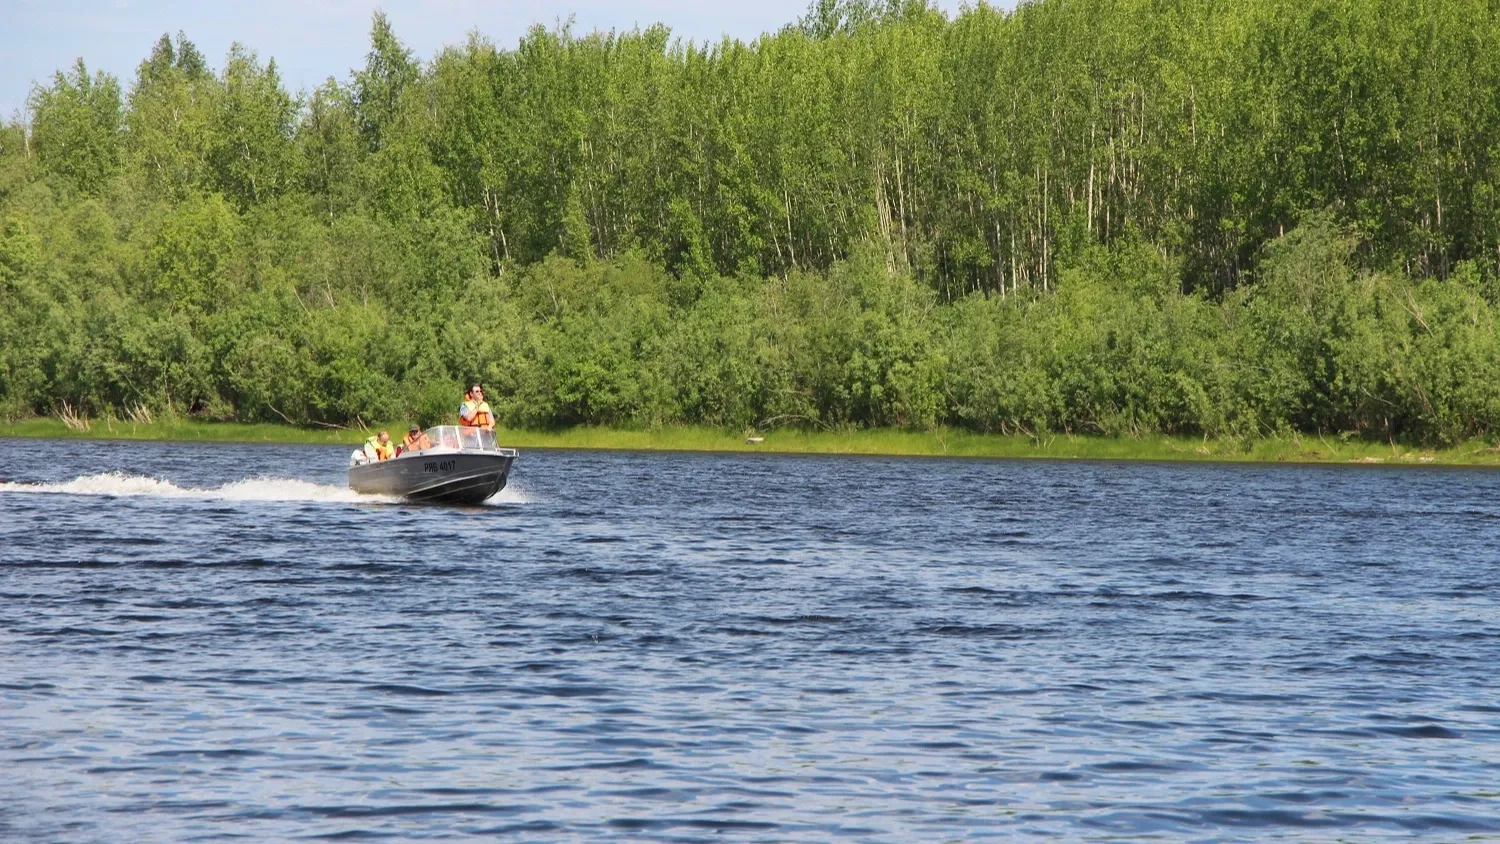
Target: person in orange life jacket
x: 475, y: 411
x: 379, y: 447
x: 415, y: 441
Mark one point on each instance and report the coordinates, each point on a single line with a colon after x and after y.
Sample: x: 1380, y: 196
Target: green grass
x: 943, y: 442
x: 958, y: 443
x: 185, y: 430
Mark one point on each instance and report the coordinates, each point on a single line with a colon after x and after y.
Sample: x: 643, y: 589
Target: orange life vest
x: 480, y: 415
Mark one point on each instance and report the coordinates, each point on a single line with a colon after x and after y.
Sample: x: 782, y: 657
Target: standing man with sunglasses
x: 475, y: 411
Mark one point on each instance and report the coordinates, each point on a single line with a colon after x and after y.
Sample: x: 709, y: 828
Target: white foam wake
x: 252, y: 489
x: 512, y: 494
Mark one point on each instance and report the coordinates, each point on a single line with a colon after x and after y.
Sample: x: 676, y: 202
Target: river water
x: 220, y: 640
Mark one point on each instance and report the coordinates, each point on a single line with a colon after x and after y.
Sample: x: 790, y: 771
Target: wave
x: 512, y: 494
x: 251, y: 489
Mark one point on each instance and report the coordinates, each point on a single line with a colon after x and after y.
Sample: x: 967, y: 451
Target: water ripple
x: 208, y: 640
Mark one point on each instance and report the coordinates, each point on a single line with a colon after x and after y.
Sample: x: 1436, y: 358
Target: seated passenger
x: 475, y: 411
x: 415, y: 440
x: 379, y: 447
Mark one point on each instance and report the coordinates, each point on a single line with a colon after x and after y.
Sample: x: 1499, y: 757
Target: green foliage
x: 170, y: 125
x: 388, y: 72
x: 1204, y: 219
x: 252, y: 156
x: 329, y: 144
x: 76, y: 129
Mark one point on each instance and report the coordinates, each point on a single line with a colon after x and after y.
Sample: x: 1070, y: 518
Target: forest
x: 1228, y: 218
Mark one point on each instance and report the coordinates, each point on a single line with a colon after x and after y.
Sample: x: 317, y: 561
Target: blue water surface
x: 211, y: 641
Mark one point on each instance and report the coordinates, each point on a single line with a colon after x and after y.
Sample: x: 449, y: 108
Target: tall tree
x: 252, y: 154
x: 76, y: 126
x: 389, y: 70
x: 170, y: 122
x: 331, y: 149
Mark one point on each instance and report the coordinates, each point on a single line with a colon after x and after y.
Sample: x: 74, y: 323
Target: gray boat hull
x: 437, y: 478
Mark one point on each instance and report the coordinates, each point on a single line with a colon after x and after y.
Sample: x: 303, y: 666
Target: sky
x: 312, y: 40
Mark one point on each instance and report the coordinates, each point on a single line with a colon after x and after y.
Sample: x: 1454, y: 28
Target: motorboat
x: 460, y: 466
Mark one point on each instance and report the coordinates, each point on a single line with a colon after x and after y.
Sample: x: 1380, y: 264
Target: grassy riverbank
x: 943, y: 442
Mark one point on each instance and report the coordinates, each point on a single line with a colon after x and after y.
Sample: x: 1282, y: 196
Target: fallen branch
x: 279, y: 413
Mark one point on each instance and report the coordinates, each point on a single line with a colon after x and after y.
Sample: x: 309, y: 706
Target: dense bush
x: 1105, y: 217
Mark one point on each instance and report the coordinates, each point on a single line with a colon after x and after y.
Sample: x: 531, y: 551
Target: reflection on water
x: 210, y: 639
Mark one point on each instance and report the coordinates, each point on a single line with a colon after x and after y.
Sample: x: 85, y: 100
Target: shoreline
x: 868, y: 442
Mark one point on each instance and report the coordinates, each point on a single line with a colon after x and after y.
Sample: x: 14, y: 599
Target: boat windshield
x: 443, y: 437
x: 470, y: 438
x: 461, y: 438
